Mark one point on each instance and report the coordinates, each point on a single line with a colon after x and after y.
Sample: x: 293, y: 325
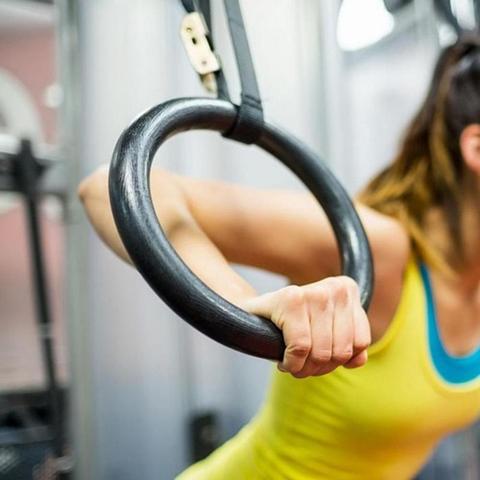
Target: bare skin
x: 213, y: 224
x: 458, y: 299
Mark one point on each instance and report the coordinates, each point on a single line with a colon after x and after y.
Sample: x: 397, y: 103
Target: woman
x: 421, y: 380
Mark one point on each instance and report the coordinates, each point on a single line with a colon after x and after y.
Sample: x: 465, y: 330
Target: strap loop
x: 194, y: 33
x: 249, y: 122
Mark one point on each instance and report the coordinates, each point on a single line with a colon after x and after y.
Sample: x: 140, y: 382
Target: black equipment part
x: 49, y: 173
x: 157, y: 261
x: 444, y: 8
x: 248, y: 125
x: 24, y: 173
x: 476, y: 10
x: 394, y: 6
x: 204, y: 433
x: 27, y: 174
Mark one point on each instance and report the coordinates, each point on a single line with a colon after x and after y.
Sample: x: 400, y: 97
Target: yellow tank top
x: 380, y: 421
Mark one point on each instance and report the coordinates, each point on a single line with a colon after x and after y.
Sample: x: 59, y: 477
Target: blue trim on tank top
x: 453, y: 369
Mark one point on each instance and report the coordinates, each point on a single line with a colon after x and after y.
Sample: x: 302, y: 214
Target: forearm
x: 185, y: 235
x: 281, y: 231
x: 323, y: 323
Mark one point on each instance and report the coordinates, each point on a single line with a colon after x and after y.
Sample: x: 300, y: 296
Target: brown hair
x: 428, y: 170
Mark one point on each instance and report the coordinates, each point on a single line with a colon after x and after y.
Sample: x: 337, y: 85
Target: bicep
x: 288, y: 233
x: 285, y: 232
x: 276, y: 230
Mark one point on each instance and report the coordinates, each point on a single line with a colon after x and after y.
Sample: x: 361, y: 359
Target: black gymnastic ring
x: 157, y: 261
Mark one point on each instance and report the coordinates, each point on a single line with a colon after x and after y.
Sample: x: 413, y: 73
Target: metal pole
x: 27, y: 178
x: 333, y: 76
x: 476, y: 8
x: 70, y: 70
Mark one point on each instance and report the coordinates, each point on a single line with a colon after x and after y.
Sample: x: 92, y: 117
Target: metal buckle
x: 194, y: 35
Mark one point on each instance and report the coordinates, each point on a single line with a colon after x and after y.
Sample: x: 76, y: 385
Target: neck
x: 467, y: 278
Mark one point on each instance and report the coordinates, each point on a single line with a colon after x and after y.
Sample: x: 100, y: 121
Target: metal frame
x: 405, y: 19
x: 80, y: 408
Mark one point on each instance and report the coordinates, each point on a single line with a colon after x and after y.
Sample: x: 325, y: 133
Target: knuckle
x: 332, y: 282
x: 319, y: 294
x: 343, y: 356
x: 293, y: 295
x: 342, y: 295
x: 362, y: 344
x: 349, y: 282
x: 300, y: 347
x: 349, y: 287
x: 340, y: 289
x: 321, y: 357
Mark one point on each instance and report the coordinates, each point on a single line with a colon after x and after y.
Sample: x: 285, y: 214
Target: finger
x: 362, y: 334
x: 294, y: 321
x: 361, y: 326
x: 362, y: 338
x: 358, y: 360
x: 343, y: 332
x: 320, y: 308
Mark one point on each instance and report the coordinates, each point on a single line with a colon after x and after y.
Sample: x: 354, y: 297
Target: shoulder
x: 391, y: 250
x: 389, y: 240
x: 387, y: 237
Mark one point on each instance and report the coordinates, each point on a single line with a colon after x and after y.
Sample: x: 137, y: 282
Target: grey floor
x: 456, y: 458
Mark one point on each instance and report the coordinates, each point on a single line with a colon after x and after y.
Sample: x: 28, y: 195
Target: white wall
x: 385, y: 87
x: 148, y: 370
x: 143, y: 369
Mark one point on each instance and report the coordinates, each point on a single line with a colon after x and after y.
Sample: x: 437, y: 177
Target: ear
x: 470, y: 147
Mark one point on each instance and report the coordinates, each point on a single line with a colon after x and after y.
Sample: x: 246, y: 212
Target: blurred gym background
x: 140, y: 394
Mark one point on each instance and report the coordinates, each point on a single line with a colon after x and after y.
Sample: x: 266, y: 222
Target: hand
x: 324, y: 325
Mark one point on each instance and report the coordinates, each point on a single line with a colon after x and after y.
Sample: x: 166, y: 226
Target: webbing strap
x: 202, y: 6
x: 249, y: 121
x: 445, y: 9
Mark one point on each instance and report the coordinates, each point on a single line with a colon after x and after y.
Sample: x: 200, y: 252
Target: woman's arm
x: 283, y: 231
x: 211, y: 224
x: 184, y: 233
x: 288, y: 233
x: 280, y: 231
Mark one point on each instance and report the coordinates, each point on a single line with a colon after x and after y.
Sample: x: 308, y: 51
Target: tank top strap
x: 406, y: 324
x: 454, y: 371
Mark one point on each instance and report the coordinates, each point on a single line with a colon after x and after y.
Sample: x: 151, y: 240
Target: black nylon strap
x: 189, y: 5
x: 445, y: 9
x: 476, y: 7
x: 202, y: 6
x: 249, y: 121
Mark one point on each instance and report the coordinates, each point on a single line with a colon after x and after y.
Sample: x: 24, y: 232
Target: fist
x: 323, y: 324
